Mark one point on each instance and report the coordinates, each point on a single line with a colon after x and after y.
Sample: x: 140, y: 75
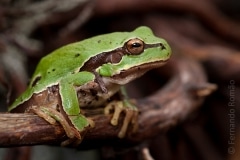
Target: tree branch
x: 183, y: 94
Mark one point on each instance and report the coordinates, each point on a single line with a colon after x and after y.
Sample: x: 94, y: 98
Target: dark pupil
x: 135, y: 45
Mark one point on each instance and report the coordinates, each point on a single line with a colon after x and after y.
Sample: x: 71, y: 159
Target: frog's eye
x: 135, y: 46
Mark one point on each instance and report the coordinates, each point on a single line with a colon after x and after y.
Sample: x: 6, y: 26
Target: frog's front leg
x: 70, y: 103
x: 131, y: 113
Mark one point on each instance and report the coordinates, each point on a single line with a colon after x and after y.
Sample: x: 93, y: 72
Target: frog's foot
x: 51, y: 115
x: 80, y: 122
x: 131, y: 115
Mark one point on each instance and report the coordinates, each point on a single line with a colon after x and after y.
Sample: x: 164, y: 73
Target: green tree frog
x: 87, y: 74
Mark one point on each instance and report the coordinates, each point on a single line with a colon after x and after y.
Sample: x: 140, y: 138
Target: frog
x: 87, y: 74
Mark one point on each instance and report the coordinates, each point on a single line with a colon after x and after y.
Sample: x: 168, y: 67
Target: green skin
x: 63, y: 67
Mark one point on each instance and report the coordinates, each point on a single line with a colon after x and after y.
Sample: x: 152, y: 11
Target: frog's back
x: 67, y: 60
x: 70, y: 58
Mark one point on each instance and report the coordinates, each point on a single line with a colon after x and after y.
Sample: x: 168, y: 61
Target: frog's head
x: 140, y: 52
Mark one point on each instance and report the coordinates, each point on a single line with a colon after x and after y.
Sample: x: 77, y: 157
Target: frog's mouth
x: 126, y: 76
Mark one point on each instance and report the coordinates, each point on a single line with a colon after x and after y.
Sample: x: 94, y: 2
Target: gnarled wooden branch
x: 173, y: 103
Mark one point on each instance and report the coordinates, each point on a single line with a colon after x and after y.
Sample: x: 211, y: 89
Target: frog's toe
x: 131, y: 116
x: 71, y: 142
